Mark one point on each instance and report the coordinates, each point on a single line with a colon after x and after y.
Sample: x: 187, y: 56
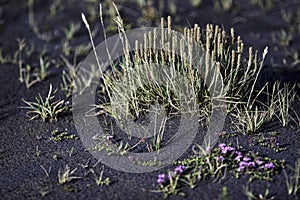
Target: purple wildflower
x: 258, y: 161
x: 242, y: 166
x: 109, y: 137
x: 222, y: 145
x: 224, y: 150
x: 251, y: 141
x: 161, y: 178
x: 179, y: 169
x: 67, y: 103
x: 246, y: 159
x: 227, y: 149
x: 251, y: 164
x: 269, y: 165
x: 208, y: 149
x: 220, y: 158
x: 230, y: 148
x: 239, y: 156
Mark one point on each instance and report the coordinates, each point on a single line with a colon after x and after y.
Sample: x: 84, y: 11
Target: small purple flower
x: 230, y: 148
x: 131, y: 158
x: 220, y: 158
x: 258, y: 161
x: 109, y: 137
x: 227, y: 149
x: 67, y: 103
x: 224, y: 151
x: 246, y: 159
x: 239, y: 156
x: 222, y: 145
x: 251, y: 141
x: 208, y: 149
x: 242, y: 166
x: 269, y: 166
x: 161, y: 178
x: 251, y: 164
x: 179, y: 169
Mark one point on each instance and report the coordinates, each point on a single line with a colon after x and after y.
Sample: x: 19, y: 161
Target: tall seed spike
x: 232, y: 36
x: 162, y: 39
x: 232, y: 59
x: 136, y: 54
x: 250, y: 57
x: 169, y: 25
x: 256, y: 61
x: 150, y: 46
x: 198, y: 34
x: 145, y: 48
x: 219, y: 50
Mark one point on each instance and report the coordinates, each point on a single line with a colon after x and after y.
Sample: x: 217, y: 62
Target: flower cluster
x: 179, y: 169
x: 162, y: 177
x: 245, y: 162
x: 225, y: 148
x: 214, y: 164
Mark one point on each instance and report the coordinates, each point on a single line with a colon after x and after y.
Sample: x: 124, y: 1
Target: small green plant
x: 283, y: 37
x: 72, y: 73
x: 48, y: 108
x: 223, y: 4
x: 224, y: 193
x: 169, y: 184
x: 112, y: 147
x: 250, y: 121
x: 4, y: 59
x: 66, y: 175
x: 30, y: 76
x: 286, y: 96
x: 99, y: 179
x: 37, y: 151
x: 55, y: 6
x: 196, y: 3
x: 59, y: 136
x: 68, y: 78
x: 71, y: 30
x: 264, y: 4
x: 44, y: 192
x: 294, y: 55
x: 33, y: 24
x: 293, y: 182
x: 286, y: 16
x: 70, y: 151
x: 47, y: 172
x: 82, y: 50
x: 252, y: 196
x: 42, y: 73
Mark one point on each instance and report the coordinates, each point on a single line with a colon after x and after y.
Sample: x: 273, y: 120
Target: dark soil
x: 21, y: 173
